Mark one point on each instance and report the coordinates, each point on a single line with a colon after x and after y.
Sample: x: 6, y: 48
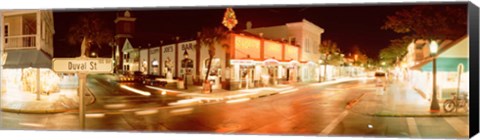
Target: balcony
x: 20, y: 41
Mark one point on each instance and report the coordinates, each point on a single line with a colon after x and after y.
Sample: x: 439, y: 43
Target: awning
x: 27, y: 58
x: 444, y: 64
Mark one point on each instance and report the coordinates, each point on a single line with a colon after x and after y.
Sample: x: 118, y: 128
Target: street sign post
x: 82, y: 66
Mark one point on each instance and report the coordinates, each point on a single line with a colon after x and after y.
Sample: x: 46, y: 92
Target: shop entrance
x: 247, y: 73
x: 270, y: 76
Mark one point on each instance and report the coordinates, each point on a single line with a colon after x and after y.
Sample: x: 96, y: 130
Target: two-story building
x: 304, y: 34
x: 450, y: 55
x: 27, y: 47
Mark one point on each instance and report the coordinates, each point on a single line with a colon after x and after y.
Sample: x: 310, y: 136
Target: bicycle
x: 457, y: 102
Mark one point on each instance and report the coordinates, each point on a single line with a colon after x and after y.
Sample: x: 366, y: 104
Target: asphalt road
x: 310, y: 110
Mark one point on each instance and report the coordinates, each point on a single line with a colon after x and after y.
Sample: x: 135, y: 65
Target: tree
x: 358, y: 55
x: 395, y: 51
x: 327, y: 48
x: 93, y: 29
x: 210, y: 37
x: 429, y: 22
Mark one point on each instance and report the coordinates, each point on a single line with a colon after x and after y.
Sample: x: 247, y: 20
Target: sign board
x: 83, y: 65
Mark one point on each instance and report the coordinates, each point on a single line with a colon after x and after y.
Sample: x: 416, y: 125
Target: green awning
x: 27, y: 58
x: 447, y: 64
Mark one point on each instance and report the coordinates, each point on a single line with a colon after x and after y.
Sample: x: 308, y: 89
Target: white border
x: 88, y: 4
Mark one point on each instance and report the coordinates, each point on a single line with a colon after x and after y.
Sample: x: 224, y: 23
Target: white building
x: 130, y: 57
x: 27, y: 47
x: 450, y: 55
x: 305, y: 34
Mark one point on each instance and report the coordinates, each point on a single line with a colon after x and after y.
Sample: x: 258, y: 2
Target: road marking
x: 146, y: 112
x: 412, y: 127
x: 32, y: 124
x: 327, y: 130
x: 461, y: 127
x: 94, y: 115
x: 238, y: 100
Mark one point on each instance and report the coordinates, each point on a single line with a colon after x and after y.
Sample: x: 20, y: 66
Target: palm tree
x: 209, y: 37
x: 93, y: 29
x: 327, y: 48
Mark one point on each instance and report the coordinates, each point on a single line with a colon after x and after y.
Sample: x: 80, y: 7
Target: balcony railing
x: 20, y: 41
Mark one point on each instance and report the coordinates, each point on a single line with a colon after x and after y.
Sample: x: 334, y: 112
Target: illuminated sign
x: 188, y: 46
x: 89, y: 65
x: 270, y: 62
x: 168, y: 49
x: 242, y: 62
x: 153, y: 51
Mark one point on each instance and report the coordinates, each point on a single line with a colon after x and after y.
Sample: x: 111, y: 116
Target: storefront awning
x: 27, y: 58
x: 444, y: 64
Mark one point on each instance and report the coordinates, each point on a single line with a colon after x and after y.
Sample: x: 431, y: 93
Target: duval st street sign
x: 86, y: 65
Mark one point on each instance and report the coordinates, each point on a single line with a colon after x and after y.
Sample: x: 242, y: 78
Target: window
x: 292, y: 40
x: 6, y: 32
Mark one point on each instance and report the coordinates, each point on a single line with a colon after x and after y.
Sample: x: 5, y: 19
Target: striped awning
x: 27, y: 58
x: 444, y: 64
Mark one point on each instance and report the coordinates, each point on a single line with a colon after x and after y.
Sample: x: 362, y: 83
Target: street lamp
x: 434, y: 107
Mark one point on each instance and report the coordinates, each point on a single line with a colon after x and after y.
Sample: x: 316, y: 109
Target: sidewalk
x: 23, y: 102
x: 399, y: 100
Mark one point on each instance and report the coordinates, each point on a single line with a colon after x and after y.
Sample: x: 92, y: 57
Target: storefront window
x: 24, y: 80
x: 215, y: 66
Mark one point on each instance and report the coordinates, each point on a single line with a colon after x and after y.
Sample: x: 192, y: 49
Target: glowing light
x: 164, y: 92
x: 155, y: 63
x: 433, y: 47
x: 370, y: 126
x: 181, y: 111
x: 32, y: 124
x: 115, y: 106
x: 146, y: 112
x: 242, y: 62
x: 185, y: 102
x: 270, y: 62
x: 162, y: 89
x: 238, y: 100
x: 95, y: 115
x: 135, y: 90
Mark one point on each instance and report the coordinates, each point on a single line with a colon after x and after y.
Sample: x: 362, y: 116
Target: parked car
x: 138, y: 77
x: 150, y: 80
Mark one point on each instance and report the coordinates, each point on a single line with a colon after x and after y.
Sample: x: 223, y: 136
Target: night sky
x: 347, y: 25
